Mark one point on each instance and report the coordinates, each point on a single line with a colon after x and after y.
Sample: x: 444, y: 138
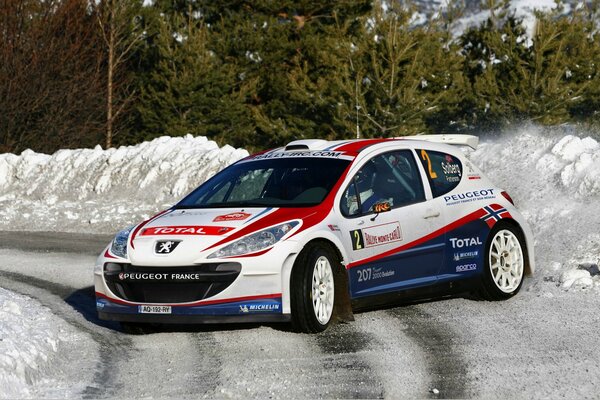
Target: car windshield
x: 282, y: 182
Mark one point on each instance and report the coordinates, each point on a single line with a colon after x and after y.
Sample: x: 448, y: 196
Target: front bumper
x: 255, y: 295
x: 243, y: 310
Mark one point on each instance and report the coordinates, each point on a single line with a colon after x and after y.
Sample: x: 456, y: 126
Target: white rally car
x: 311, y: 231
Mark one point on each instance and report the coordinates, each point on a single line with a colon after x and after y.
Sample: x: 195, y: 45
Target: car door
x: 443, y: 173
x: 386, y: 224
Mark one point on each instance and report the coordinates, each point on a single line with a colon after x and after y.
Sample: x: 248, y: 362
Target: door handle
x: 431, y: 214
x: 361, y: 222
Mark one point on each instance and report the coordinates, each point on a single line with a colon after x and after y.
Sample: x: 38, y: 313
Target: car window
x: 280, y: 182
x: 386, y: 178
x: 443, y: 171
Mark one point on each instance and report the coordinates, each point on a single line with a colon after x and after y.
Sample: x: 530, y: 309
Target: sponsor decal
x: 374, y: 273
x: 466, y: 267
x: 165, y: 246
x: 100, y: 304
x: 236, y: 216
x: 474, y: 177
x: 466, y: 242
x: 294, y: 154
x: 268, y: 307
x: 186, y: 230
x: 376, y: 235
x: 382, y: 207
x: 465, y: 255
x: 451, y: 169
x: 161, y: 276
x: 333, y: 227
x: 474, y: 195
x: 382, y: 234
x: 494, y: 213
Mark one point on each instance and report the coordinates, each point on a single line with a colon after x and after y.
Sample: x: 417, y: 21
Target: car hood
x: 199, y: 232
x: 192, y: 231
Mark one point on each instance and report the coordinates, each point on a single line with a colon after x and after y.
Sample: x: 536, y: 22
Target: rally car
x: 311, y: 231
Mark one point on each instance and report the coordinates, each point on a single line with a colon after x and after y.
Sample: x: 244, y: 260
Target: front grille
x: 169, y: 284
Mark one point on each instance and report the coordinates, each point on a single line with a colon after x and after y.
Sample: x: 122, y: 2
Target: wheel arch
x: 343, y: 304
x: 515, y: 225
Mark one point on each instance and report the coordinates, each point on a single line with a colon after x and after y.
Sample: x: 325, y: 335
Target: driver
x: 369, y: 196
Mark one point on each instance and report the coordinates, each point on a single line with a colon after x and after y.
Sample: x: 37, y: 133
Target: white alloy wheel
x: 506, y: 261
x: 322, y: 290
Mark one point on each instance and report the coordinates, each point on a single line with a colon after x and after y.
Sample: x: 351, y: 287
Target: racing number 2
x: 357, y: 239
x: 425, y: 157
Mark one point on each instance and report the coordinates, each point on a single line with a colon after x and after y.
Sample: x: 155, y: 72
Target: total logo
x: 466, y: 242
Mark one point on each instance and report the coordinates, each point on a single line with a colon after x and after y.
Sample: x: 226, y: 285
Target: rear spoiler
x: 457, y: 140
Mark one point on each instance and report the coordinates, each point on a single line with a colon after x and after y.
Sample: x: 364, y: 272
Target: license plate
x: 154, y: 309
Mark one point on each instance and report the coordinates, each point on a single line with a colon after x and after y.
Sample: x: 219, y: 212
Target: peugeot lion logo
x: 165, y: 246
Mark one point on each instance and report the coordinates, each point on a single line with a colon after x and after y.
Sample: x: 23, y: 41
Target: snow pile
x: 522, y: 9
x: 104, y: 190
x: 31, y: 340
x: 553, y: 174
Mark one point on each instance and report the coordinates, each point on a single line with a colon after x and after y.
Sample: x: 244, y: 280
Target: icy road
x: 543, y: 343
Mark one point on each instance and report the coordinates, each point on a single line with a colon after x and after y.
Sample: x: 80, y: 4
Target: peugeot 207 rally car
x: 310, y: 231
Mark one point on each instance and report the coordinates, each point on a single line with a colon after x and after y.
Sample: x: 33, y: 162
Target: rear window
x: 444, y: 171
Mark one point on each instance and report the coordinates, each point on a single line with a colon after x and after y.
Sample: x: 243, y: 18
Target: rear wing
x: 457, y: 140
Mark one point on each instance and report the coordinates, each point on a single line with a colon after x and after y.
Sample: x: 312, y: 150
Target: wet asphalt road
x: 542, y: 343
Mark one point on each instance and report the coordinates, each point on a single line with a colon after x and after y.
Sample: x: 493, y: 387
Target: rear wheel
x: 313, y: 288
x: 504, y: 263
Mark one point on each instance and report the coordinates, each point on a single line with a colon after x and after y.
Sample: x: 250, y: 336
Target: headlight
x: 255, y: 242
x: 119, y: 243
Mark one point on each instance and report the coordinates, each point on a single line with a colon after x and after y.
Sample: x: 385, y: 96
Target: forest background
x: 258, y: 74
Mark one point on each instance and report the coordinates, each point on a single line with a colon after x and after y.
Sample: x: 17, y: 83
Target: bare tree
x: 120, y: 32
x: 50, y: 75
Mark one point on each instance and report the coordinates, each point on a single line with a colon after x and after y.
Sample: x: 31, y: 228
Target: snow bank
x: 104, y: 190
x: 553, y: 174
x: 31, y: 341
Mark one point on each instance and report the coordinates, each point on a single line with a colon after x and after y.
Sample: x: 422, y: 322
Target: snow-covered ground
x: 35, y: 345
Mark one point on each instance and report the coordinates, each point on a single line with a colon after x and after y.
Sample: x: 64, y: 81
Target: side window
x: 443, y: 171
x: 386, y: 178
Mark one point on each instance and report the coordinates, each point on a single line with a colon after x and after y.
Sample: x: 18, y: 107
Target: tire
x: 312, y: 286
x: 504, y: 263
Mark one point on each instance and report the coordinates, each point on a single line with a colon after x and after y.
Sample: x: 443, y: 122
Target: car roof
x: 354, y: 146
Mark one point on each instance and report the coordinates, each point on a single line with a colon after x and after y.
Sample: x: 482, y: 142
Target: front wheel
x: 313, y: 288
x: 504, y: 263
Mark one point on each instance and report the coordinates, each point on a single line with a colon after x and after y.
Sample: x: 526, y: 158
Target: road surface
x: 542, y: 343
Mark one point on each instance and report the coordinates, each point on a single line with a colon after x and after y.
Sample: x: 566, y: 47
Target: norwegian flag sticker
x: 494, y: 213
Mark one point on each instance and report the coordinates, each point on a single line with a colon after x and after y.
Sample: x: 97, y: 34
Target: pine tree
x: 189, y: 90
x: 396, y: 79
